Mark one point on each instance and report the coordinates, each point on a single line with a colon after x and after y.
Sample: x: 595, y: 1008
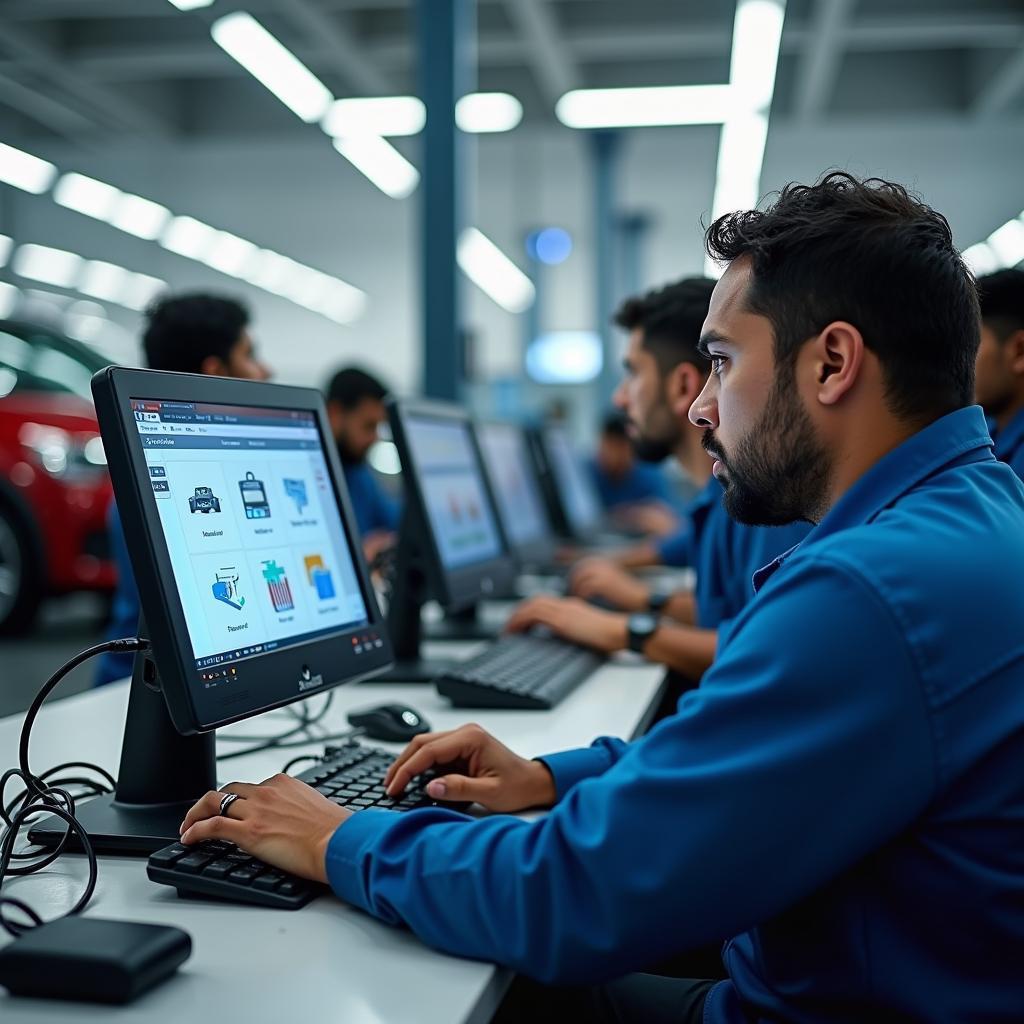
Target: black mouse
x: 395, y: 722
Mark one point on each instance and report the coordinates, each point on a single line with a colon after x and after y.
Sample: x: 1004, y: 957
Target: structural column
x: 605, y: 150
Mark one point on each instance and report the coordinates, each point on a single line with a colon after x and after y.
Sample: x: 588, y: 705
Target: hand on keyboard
x: 494, y: 776
x: 575, y: 620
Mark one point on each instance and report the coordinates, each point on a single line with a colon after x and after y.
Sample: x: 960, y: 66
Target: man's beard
x: 779, y: 472
x: 657, y: 447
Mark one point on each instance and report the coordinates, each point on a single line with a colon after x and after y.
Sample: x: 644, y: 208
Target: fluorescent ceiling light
x: 756, y: 34
x: 6, y: 242
x: 645, y: 107
x: 86, y: 195
x: 343, y: 304
x: 493, y: 272
x: 24, y: 171
x: 230, y: 254
x: 740, y: 155
x: 8, y: 299
x: 51, y: 266
x: 102, y: 280
x: 565, y: 357
x: 242, y: 37
x: 140, y: 290
x: 1007, y: 243
x: 140, y: 217
x: 189, y: 237
x: 488, y: 112
x: 271, y: 271
x: 375, y: 115
x: 381, y: 163
x: 191, y: 5
x: 981, y: 259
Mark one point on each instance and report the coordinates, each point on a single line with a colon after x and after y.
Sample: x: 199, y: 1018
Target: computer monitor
x: 253, y: 587
x: 574, y: 503
x: 520, y: 501
x: 451, y: 548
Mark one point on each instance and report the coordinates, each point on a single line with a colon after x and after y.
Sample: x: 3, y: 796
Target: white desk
x: 327, y: 962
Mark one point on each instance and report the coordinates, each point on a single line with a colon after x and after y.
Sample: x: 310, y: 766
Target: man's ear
x: 837, y: 355
x: 682, y: 385
x: 1013, y: 349
x: 213, y: 366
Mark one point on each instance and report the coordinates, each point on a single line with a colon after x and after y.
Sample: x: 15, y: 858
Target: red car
x: 54, y: 487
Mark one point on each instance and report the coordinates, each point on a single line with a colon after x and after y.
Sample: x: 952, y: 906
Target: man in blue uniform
x: 841, y: 801
x: 999, y: 387
x: 355, y: 410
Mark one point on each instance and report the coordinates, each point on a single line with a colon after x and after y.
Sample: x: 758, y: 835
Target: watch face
x: 643, y: 623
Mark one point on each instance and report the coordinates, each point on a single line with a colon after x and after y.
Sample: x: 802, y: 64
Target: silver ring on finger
x: 226, y: 801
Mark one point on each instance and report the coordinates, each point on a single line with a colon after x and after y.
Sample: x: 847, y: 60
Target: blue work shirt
x: 843, y: 795
x: 375, y: 509
x: 1009, y: 443
x: 124, y: 613
x: 725, y: 554
x: 644, y: 482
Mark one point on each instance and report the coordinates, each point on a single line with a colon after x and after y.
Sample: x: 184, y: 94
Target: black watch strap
x: 656, y: 602
x: 641, y: 627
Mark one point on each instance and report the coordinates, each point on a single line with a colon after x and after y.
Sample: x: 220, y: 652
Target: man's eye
x: 717, y: 363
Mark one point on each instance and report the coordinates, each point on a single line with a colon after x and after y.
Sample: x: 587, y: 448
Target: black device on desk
x: 451, y: 546
x: 245, y: 613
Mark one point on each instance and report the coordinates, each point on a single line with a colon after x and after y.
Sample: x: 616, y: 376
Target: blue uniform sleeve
x: 571, y: 766
x: 676, y: 550
x: 385, y: 508
x: 806, y: 746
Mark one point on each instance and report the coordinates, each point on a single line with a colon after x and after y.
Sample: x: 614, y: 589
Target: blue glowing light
x: 550, y: 245
x: 565, y: 357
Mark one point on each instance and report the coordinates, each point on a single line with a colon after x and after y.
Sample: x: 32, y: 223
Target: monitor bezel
x: 453, y: 589
x: 579, y: 531
x: 315, y: 666
x: 541, y: 550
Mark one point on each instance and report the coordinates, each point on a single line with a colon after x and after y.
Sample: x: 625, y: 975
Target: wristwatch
x: 656, y: 602
x: 641, y: 627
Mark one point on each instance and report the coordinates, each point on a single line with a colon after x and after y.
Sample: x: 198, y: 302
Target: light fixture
x: 24, y: 171
x: 6, y: 242
x: 375, y: 115
x: 565, y: 357
x: 189, y: 237
x: 981, y: 259
x: 645, y: 106
x: 140, y: 290
x: 549, y: 245
x: 46, y: 264
x: 380, y: 162
x: 102, y: 280
x: 86, y: 195
x: 1007, y: 242
x: 488, y: 112
x: 140, y: 217
x: 242, y: 37
x: 230, y: 254
x: 191, y: 5
x: 9, y: 296
x: 384, y: 458
x: 493, y: 272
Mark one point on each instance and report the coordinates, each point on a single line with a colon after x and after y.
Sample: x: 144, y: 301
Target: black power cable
x: 52, y: 795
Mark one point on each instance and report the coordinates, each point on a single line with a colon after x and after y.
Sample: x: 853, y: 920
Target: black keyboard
x: 521, y: 670
x: 352, y: 778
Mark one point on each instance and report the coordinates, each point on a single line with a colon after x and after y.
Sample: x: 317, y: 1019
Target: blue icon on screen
x: 296, y: 490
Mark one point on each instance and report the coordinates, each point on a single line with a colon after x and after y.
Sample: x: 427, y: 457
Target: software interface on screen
x: 252, y: 526
x: 577, y: 495
x: 457, y: 506
x: 520, y: 502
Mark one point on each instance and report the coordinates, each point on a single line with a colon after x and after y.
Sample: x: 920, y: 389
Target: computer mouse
x: 395, y: 722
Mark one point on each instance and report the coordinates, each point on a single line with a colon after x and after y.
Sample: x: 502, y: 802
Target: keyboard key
x: 193, y: 863
x: 169, y: 854
x: 291, y: 887
x: 268, y: 882
x: 243, y: 874
x: 218, y: 869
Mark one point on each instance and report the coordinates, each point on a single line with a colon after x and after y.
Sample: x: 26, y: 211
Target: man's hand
x: 653, y: 518
x: 494, y: 776
x: 282, y: 821
x: 573, y: 619
x: 376, y: 542
x: 599, y: 577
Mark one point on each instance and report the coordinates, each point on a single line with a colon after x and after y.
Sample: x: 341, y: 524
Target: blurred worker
x: 664, y: 373
x: 634, y: 493
x: 189, y: 333
x: 999, y: 384
x: 356, y: 411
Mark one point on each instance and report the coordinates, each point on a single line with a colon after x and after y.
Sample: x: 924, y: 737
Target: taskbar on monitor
x: 366, y: 641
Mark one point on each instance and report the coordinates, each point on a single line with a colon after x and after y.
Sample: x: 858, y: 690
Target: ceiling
x: 94, y: 70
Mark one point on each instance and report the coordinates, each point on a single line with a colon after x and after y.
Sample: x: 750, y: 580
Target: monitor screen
x: 454, y: 493
x: 575, y: 490
x: 520, y: 502
x: 249, y: 516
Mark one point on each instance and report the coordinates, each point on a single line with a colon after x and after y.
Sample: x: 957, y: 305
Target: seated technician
x: 841, y: 801
x: 188, y: 333
x: 356, y: 412
x: 999, y: 387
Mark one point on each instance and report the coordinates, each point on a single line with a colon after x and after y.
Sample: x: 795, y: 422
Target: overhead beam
x: 110, y: 104
x: 550, y: 58
x: 50, y: 113
x: 1004, y: 86
x: 348, y: 58
x: 821, y: 57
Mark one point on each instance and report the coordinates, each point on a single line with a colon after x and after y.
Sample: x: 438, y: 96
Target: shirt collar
x: 939, y: 444
x: 1010, y: 438
x: 706, y: 496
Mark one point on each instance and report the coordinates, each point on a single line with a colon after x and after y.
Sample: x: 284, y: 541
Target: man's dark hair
x: 870, y: 253
x: 614, y: 425
x: 671, y: 319
x: 184, y: 330
x: 1002, y: 301
x: 350, y: 386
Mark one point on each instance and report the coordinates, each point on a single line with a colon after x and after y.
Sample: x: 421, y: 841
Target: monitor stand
x: 464, y: 624
x: 161, y: 775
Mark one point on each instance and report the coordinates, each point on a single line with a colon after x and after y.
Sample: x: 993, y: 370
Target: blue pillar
x: 533, y: 318
x: 633, y: 230
x: 605, y: 149
x: 445, y: 34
